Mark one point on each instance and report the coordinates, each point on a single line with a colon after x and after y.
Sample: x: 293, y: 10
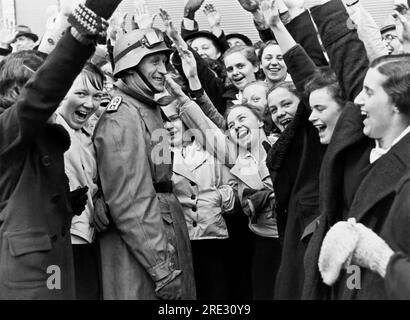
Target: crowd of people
x: 165, y: 163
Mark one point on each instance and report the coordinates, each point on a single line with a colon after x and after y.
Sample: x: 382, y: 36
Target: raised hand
x: 188, y: 63
x: 116, y: 25
x: 193, y: 5
x: 213, y: 16
x: 175, y: 90
x: 250, y: 5
x: 400, y: 2
x: 270, y: 12
x: 68, y: 6
x: 142, y: 19
x: 7, y: 33
x: 403, y: 30
x: 171, y: 30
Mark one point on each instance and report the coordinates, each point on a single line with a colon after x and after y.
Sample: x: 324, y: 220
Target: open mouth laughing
x: 274, y: 70
x: 321, y: 128
x: 285, y: 122
x: 81, y: 115
x: 242, y: 133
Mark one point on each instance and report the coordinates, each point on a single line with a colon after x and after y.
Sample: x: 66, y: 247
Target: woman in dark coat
x: 35, y: 211
x: 384, y: 105
x: 294, y: 163
x: 298, y: 177
x: 350, y: 185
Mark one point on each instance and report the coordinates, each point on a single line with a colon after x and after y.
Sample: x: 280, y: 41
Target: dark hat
x: 241, y: 36
x: 25, y: 31
x: 388, y: 24
x: 205, y: 34
x: 4, y: 51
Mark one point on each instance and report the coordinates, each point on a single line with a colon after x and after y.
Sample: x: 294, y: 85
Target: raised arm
x: 346, y: 51
x: 55, y: 30
x: 213, y: 86
x: 304, y: 32
x: 189, y: 25
x: 205, y: 131
x: 300, y: 65
x: 403, y: 29
x: 42, y: 94
x: 196, y: 91
x: 214, y: 21
x: 367, y: 29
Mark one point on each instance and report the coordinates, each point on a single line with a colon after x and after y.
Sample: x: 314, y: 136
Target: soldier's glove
x: 170, y: 288
x: 371, y: 252
x: 78, y: 199
x: 337, y: 250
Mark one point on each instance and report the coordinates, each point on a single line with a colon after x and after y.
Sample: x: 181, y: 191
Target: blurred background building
x: 234, y: 19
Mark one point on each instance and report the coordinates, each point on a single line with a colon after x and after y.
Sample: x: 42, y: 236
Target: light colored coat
x: 81, y: 170
x: 250, y: 173
x: 148, y: 238
x: 204, y: 189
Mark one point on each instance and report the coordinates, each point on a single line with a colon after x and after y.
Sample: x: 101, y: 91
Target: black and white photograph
x: 204, y: 155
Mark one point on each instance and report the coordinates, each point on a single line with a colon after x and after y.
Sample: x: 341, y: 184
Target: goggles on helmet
x: 150, y: 40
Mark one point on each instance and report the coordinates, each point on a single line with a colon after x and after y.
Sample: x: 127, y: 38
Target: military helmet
x: 133, y: 46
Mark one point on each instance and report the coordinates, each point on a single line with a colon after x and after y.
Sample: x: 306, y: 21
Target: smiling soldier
x: 145, y: 252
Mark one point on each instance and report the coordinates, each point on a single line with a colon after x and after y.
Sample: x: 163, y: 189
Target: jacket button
x: 194, y: 209
x: 53, y: 238
x: 192, y: 183
x: 194, y: 224
x: 193, y: 197
x: 46, y: 160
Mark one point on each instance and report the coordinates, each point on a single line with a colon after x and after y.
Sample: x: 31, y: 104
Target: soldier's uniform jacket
x: 35, y: 213
x: 148, y: 237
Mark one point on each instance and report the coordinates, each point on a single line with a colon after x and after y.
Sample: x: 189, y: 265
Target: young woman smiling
x: 204, y: 188
x: 79, y: 104
x: 273, y: 65
x: 242, y: 151
x: 380, y: 205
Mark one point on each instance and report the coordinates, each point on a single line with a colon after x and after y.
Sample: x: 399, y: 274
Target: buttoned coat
x: 204, y: 188
x: 35, y: 212
x: 148, y: 237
